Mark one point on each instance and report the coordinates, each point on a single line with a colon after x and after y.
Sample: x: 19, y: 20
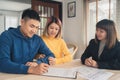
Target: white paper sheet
x: 93, y: 73
x: 82, y: 71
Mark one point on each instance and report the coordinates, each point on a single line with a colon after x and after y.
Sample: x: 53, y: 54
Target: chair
x: 72, y: 48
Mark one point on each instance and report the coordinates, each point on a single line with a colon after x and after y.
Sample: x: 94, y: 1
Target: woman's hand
x: 88, y: 62
x: 33, y: 64
x: 94, y: 64
x: 91, y: 62
x: 38, y: 56
x: 52, y: 61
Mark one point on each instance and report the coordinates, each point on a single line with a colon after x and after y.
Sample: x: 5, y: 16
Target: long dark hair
x: 109, y: 27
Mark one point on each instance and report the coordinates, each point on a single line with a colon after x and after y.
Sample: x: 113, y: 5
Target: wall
x: 74, y: 28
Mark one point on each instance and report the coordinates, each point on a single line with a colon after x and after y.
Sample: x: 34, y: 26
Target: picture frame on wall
x: 71, y: 7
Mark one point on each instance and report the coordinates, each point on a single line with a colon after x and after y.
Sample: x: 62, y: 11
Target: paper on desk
x: 93, y: 73
x: 61, y: 72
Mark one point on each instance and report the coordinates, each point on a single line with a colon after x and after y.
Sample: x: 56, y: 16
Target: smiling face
x: 29, y: 27
x: 53, y: 30
x: 101, y: 34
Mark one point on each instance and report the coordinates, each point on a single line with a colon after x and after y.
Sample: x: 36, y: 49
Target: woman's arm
x: 86, y: 53
x: 67, y: 56
x: 6, y: 64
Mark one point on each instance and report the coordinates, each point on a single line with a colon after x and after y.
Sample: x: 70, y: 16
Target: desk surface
x: 74, y: 63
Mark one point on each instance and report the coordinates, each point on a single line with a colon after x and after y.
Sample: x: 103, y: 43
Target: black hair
x: 32, y: 14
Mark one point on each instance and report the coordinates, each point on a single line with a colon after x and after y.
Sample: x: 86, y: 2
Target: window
x: 11, y: 21
x: 102, y: 9
x: 44, y: 12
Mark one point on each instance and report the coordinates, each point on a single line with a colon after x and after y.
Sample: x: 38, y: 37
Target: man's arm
x: 44, y: 50
x: 6, y: 64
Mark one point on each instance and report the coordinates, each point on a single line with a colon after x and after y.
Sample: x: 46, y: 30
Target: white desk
x: 74, y: 63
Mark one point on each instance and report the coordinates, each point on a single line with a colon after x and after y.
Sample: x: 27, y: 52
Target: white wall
x: 74, y: 28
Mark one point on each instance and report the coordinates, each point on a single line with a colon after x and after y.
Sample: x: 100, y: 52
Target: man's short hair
x: 31, y: 14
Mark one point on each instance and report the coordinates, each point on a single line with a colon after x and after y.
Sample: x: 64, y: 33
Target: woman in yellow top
x: 52, y: 37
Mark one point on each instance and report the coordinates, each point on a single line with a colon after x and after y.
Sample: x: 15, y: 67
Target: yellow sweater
x: 59, y: 48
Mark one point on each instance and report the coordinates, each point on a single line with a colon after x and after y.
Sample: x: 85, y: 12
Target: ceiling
x: 20, y: 1
x: 15, y: 5
x: 58, y: 0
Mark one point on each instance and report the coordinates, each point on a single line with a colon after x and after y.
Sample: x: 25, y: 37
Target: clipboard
x: 61, y: 73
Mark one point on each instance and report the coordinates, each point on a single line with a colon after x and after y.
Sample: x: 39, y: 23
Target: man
x: 18, y: 46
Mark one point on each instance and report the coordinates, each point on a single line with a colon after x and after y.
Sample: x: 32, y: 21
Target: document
x: 82, y: 71
x: 93, y: 73
x: 61, y: 72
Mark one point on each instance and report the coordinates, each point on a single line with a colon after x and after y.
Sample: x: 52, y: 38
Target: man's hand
x: 38, y: 56
x: 39, y: 69
x: 31, y: 64
x: 52, y: 61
